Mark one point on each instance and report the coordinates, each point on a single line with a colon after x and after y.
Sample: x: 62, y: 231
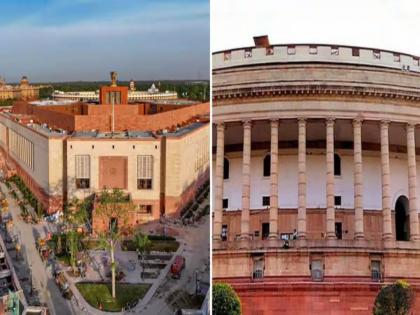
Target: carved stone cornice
x: 313, y: 89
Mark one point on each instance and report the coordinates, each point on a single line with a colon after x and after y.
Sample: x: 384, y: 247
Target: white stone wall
x: 316, y: 179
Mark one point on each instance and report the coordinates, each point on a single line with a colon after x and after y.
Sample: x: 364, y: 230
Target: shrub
x: 225, y: 300
x: 394, y: 299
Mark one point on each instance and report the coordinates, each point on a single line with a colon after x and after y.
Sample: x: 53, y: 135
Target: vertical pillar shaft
x: 246, y: 180
x: 330, y: 180
x: 412, y: 182
x: 274, y: 179
x: 386, y: 197
x: 301, y: 227
x: 358, y: 180
x: 218, y: 184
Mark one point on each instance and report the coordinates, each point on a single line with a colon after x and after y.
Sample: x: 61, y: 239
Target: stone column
x: 274, y: 179
x: 246, y: 180
x: 330, y: 180
x: 412, y: 182
x: 386, y: 197
x: 218, y: 182
x: 301, y: 227
x: 358, y: 180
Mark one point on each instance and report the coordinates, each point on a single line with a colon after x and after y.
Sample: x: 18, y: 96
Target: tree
x: 394, y: 299
x: 225, y: 300
x: 72, y: 242
x: 143, y: 244
x: 115, y: 207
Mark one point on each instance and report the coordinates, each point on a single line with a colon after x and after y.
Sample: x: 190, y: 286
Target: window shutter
x: 144, y: 166
x: 82, y: 166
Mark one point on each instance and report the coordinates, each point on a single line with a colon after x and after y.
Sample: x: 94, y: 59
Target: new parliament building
x: 315, y: 181
x: 156, y: 153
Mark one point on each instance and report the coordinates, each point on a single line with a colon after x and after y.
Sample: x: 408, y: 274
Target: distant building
x: 152, y: 94
x: 158, y: 154
x: 22, y: 91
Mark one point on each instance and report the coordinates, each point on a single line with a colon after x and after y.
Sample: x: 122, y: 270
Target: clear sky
x: 66, y: 40
x: 386, y: 24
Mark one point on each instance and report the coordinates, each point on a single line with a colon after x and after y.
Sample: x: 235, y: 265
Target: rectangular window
x: 376, y: 54
x: 397, y: 57
x: 334, y: 50
x: 248, y: 53
x: 145, y: 209
x: 317, y: 270
x: 265, y: 230
x: 337, y: 200
x: 339, y: 230
x: 266, y: 201
x: 144, y: 171
x: 224, y: 232
x: 226, y: 55
x: 258, y: 267
x: 355, y: 52
x: 82, y: 171
x: 225, y: 203
x: 375, y: 266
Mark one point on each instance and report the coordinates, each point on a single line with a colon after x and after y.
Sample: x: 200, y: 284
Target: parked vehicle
x: 177, y: 266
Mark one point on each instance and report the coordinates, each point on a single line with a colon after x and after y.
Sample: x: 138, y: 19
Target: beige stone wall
x: 130, y: 149
x: 55, y: 166
x: 42, y: 153
x: 187, y: 158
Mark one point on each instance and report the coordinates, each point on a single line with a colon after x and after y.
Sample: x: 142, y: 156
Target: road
x: 45, y: 284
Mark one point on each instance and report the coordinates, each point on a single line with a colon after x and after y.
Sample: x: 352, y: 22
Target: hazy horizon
x: 83, y: 40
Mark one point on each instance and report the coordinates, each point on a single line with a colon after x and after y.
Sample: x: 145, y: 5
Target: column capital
x: 220, y: 125
x: 358, y: 121
x: 329, y: 121
x: 301, y: 120
x: 385, y: 123
x: 247, y: 123
x: 274, y: 121
x: 411, y: 125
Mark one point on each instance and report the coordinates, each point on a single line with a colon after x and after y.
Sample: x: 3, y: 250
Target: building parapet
x: 315, y: 53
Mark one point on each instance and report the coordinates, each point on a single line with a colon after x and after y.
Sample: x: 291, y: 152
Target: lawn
x: 95, y: 293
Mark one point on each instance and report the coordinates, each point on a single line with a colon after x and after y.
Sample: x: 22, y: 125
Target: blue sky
x: 66, y: 40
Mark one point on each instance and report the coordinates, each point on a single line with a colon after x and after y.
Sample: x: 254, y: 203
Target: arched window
x: 225, y: 168
x: 267, y: 165
x: 337, y: 165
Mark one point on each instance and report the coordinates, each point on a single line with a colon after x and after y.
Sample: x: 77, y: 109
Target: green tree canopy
x: 394, y: 299
x: 225, y: 300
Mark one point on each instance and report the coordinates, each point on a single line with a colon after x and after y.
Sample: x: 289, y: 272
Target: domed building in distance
x: 21, y: 91
x: 315, y: 159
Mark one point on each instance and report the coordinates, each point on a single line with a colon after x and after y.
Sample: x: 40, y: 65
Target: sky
x: 70, y: 40
x: 382, y: 24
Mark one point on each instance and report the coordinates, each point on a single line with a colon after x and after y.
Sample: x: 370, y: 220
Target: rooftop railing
x: 296, y: 53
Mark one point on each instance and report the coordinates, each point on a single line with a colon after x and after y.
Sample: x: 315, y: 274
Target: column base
x: 331, y: 236
x: 359, y: 236
x: 388, y: 241
x: 301, y: 242
x: 415, y: 238
x: 244, y: 243
x: 273, y: 236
